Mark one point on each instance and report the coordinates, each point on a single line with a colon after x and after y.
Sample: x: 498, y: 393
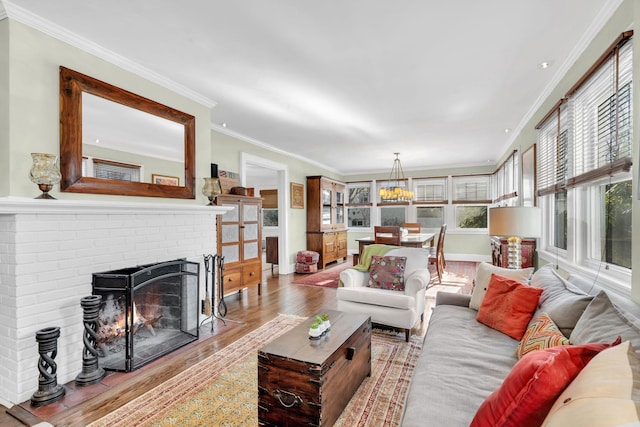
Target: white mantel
x: 48, y: 251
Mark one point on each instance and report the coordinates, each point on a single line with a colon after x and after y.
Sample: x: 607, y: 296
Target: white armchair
x: 386, y: 307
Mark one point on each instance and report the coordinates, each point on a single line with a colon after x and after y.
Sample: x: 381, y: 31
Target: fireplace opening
x: 146, y: 312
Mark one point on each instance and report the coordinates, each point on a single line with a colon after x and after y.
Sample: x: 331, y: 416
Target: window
x: 471, y: 188
x: 615, y: 224
x: 560, y: 220
x: 269, y: 217
x: 505, y: 180
x: 584, y: 148
x: 430, y: 216
x: 471, y: 216
x: 108, y: 169
x: 431, y: 190
x: 359, y: 217
x: 393, y: 215
x: 359, y: 204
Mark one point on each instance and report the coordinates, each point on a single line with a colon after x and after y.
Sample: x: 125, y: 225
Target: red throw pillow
x: 508, y: 306
x: 533, y: 385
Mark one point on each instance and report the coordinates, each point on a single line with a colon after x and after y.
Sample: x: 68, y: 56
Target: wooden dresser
x: 240, y: 242
x: 326, y: 219
x: 500, y: 256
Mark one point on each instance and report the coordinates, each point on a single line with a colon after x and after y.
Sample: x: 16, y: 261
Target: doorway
x: 261, y: 173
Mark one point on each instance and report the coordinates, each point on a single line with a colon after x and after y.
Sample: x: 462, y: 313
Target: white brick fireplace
x: 48, y: 251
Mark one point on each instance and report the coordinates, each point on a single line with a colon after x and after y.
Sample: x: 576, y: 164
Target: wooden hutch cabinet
x: 240, y: 241
x: 500, y: 255
x: 326, y: 219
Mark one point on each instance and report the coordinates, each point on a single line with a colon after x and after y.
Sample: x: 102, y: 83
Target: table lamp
x: 515, y: 223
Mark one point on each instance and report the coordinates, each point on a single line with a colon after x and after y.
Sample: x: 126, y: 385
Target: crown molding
x: 49, y: 28
x: 266, y: 146
x: 594, y: 28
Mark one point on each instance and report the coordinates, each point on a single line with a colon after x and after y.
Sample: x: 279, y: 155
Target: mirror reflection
x: 120, y: 142
x: 116, y: 142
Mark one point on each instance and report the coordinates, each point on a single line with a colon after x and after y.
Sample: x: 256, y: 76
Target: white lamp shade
x: 515, y: 221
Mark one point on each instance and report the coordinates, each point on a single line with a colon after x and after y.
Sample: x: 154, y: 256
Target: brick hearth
x: 48, y: 250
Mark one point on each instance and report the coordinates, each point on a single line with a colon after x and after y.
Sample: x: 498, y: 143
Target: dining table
x: 413, y: 240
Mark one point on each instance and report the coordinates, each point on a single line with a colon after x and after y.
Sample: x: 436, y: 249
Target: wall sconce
x: 45, y: 173
x: 211, y: 189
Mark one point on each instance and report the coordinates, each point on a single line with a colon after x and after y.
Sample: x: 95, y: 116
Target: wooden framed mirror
x: 103, y: 124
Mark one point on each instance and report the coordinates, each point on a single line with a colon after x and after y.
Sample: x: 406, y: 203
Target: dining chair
x: 436, y: 256
x: 412, y: 227
x: 386, y: 235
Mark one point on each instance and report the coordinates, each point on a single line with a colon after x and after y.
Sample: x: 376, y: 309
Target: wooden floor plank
x: 279, y: 295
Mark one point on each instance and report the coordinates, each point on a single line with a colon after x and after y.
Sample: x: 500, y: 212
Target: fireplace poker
x: 207, y: 297
x: 222, y: 305
x: 211, y: 264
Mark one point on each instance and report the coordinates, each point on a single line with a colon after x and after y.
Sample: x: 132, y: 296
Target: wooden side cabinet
x: 272, y: 251
x: 326, y: 219
x: 240, y: 242
x: 500, y: 256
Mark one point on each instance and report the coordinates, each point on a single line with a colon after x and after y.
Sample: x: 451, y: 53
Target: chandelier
x: 395, y: 190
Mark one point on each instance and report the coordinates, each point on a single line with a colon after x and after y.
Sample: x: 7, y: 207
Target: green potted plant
x: 325, y: 321
x: 315, y: 331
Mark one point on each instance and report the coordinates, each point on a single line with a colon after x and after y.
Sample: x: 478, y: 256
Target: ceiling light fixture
x: 395, y: 190
x: 545, y: 65
x: 224, y: 125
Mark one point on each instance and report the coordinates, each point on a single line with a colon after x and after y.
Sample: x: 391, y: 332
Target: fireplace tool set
x: 214, y: 269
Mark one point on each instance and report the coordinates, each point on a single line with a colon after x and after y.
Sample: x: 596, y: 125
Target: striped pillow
x: 541, y: 333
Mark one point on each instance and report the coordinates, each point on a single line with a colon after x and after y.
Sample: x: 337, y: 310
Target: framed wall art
x: 297, y: 196
x: 165, y: 180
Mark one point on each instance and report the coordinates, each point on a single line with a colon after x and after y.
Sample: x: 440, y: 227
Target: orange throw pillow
x: 508, y: 306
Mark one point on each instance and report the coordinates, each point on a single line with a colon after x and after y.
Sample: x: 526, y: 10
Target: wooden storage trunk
x: 307, y: 382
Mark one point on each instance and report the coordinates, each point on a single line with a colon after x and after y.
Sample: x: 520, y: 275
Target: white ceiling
x: 348, y: 83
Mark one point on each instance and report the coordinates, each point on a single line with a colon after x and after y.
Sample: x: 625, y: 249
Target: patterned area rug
x: 327, y: 278
x: 222, y: 390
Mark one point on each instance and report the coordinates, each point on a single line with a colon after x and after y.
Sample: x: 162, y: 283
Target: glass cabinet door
x: 340, y: 214
x: 326, y: 215
x: 326, y: 197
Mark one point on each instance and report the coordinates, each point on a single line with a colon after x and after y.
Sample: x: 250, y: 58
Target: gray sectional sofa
x: 464, y: 361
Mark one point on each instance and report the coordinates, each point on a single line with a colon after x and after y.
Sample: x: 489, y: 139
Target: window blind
x: 588, y: 134
x: 107, y: 169
x: 505, y: 178
x: 471, y: 189
x: 431, y: 190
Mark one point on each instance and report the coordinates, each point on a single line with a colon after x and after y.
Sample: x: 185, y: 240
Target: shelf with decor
x: 326, y: 226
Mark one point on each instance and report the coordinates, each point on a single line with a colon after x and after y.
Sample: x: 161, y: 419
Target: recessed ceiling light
x: 224, y: 125
x: 506, y: 130
x: 545, y: 65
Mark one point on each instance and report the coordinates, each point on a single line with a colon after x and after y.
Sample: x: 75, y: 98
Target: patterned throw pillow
x: 542, y: 333
x: 387, y: 272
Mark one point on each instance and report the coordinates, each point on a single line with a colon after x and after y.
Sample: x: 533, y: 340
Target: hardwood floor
x: 278, y: 296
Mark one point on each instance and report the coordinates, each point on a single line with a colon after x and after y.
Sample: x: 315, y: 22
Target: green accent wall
x: 5, y: 119
x: 34, y: 59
